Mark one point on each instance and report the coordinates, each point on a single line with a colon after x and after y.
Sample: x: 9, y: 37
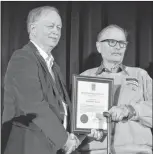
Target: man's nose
x: 55, y: 31
x: 117, y: 46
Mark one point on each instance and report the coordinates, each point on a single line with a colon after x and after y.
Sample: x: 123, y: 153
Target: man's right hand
x: 96, y: 134
x: 71, y: 144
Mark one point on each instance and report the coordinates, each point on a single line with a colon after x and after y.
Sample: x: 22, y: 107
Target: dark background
x: 82, y: 21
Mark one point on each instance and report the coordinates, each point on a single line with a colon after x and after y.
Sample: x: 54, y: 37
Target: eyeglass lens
x: 113, y: 43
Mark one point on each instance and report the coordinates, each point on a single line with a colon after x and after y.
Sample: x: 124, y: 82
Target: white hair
x: 35, y: 14
x: 111, y: 26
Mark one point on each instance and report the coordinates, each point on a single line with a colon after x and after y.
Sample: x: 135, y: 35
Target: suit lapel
x: 62, y: 84
x: 42, y: 63
x: 49, y: 79
x: 46, y: 80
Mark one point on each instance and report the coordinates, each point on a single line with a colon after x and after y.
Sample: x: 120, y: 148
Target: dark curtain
x: 82, y: 21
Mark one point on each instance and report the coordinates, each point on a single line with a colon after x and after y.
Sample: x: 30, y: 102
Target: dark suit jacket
x: 28, y: 91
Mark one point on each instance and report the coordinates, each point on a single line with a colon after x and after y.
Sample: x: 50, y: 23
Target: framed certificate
x: 91, y: 96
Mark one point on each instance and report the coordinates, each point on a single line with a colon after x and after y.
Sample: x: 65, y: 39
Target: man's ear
x: 98, y: 46
x: 33, y: 29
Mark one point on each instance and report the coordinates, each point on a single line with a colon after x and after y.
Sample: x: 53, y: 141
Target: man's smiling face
x: 48, y: 29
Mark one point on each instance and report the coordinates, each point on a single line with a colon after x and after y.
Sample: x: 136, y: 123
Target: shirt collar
x: 47, y: 58
x: 102, y: 69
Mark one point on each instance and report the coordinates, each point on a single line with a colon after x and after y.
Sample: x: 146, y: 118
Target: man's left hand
x: 119, y: 112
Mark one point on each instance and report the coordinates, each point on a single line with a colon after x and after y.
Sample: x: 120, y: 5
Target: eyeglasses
x: 112, y: 43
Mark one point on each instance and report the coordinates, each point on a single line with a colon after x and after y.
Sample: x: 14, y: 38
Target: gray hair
x: 35, y: 14
x: 111, y: 26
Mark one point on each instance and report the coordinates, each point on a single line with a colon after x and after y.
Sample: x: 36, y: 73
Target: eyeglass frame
x: 123, y: 42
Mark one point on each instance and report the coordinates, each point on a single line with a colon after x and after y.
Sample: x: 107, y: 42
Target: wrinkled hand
x: 118, y: 113
x: 96, y: 134
x: 71, y: 144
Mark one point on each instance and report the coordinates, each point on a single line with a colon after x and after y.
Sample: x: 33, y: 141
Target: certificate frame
x: 75, y: 81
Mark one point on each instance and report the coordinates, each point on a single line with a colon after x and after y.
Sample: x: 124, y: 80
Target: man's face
x: 48, y: 29
x: 107, y: 49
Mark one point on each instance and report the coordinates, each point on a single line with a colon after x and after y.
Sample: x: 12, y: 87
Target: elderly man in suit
x: 35, y: 99
x: 131, y: 112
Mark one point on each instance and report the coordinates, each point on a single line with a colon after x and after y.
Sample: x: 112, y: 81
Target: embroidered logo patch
x: 132, y: 81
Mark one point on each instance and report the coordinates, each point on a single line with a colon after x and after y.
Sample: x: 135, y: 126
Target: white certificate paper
x: 92, y: 101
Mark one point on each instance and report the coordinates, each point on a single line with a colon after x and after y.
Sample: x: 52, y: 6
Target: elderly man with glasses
x: 131, y: 112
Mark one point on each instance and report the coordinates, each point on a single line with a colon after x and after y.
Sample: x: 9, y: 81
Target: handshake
x: 73, y: 142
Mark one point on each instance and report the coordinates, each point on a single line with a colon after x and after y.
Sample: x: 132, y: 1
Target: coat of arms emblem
x: 93, y: 86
